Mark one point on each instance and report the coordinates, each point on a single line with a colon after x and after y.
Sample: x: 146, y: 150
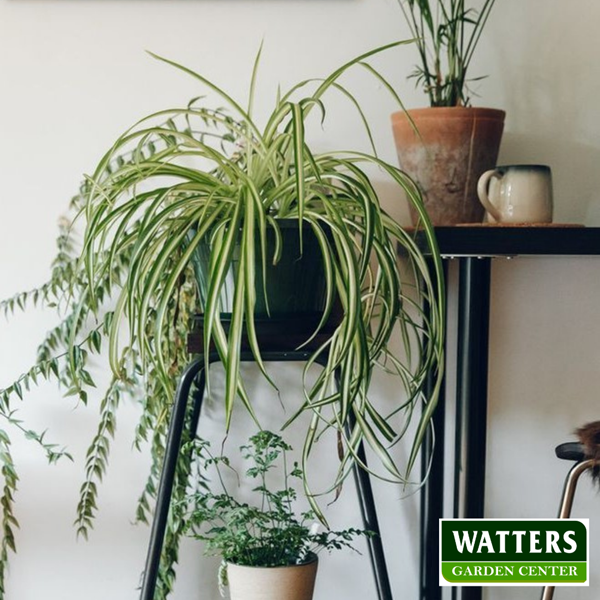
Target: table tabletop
x: 481, y: 240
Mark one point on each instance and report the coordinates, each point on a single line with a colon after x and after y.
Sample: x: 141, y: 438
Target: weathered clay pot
x: 296, y: 582
x: 450, y: 150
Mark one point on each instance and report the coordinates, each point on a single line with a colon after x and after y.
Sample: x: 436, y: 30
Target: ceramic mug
x: 517, y: 194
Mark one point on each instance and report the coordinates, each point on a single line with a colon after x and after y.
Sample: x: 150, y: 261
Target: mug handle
x: 482, y: 192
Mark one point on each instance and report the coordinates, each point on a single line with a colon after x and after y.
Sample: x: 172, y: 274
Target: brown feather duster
x: 589, y: 437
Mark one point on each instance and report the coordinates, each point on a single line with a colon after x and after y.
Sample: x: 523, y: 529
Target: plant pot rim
x: 449, y: 112
x: 311, y: 559
x: 288, y: 222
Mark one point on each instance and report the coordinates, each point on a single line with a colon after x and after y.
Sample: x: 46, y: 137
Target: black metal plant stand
x: 195, y: 372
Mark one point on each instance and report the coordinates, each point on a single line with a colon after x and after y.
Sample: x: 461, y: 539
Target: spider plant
x: 446, y: 33
x: 208, y: 174
x: 222, y: 179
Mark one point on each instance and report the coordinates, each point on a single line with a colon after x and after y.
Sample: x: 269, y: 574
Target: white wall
x: 74, y: 75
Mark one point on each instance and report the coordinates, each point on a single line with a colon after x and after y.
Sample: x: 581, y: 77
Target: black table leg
x: 432, y: 493
x: 432, y: 506
x: 472, y: 380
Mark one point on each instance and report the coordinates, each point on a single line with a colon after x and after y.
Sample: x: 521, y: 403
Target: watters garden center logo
x: 493, y: 552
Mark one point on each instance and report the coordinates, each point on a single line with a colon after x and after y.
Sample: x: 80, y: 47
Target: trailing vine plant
x: 64, y: 356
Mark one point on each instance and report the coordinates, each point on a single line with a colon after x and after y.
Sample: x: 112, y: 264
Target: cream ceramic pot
x: 517, y: 194
x: 296, y: 582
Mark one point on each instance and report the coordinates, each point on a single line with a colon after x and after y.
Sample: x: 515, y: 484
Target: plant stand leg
x: 172, y: 451
x: 371, y: 523
x: 167, y: 477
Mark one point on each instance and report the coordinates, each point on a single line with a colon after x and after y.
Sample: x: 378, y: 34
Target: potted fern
x: 447, y: 146
x: 194, y: 201
x: 267, y: 550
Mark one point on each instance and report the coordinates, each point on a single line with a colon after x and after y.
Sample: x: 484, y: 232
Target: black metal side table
x: 473, y: 247
x: 274, y: 348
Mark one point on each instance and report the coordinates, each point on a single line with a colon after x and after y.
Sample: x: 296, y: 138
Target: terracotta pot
x: 452, y: 149
x: 296, y: 582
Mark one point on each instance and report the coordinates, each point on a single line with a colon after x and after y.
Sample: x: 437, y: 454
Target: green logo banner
x: 514, y: 552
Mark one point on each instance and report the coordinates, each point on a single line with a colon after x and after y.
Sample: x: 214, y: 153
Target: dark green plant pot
x: 295, y: 286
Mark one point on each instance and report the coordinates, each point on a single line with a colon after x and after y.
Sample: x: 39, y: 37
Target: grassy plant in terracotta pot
x: 208, y: 181
x: 269, y: 549
x: 448, y: 146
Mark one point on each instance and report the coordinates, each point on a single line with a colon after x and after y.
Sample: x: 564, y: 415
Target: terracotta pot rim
x: 312, y: 558
x: 450, y: 112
